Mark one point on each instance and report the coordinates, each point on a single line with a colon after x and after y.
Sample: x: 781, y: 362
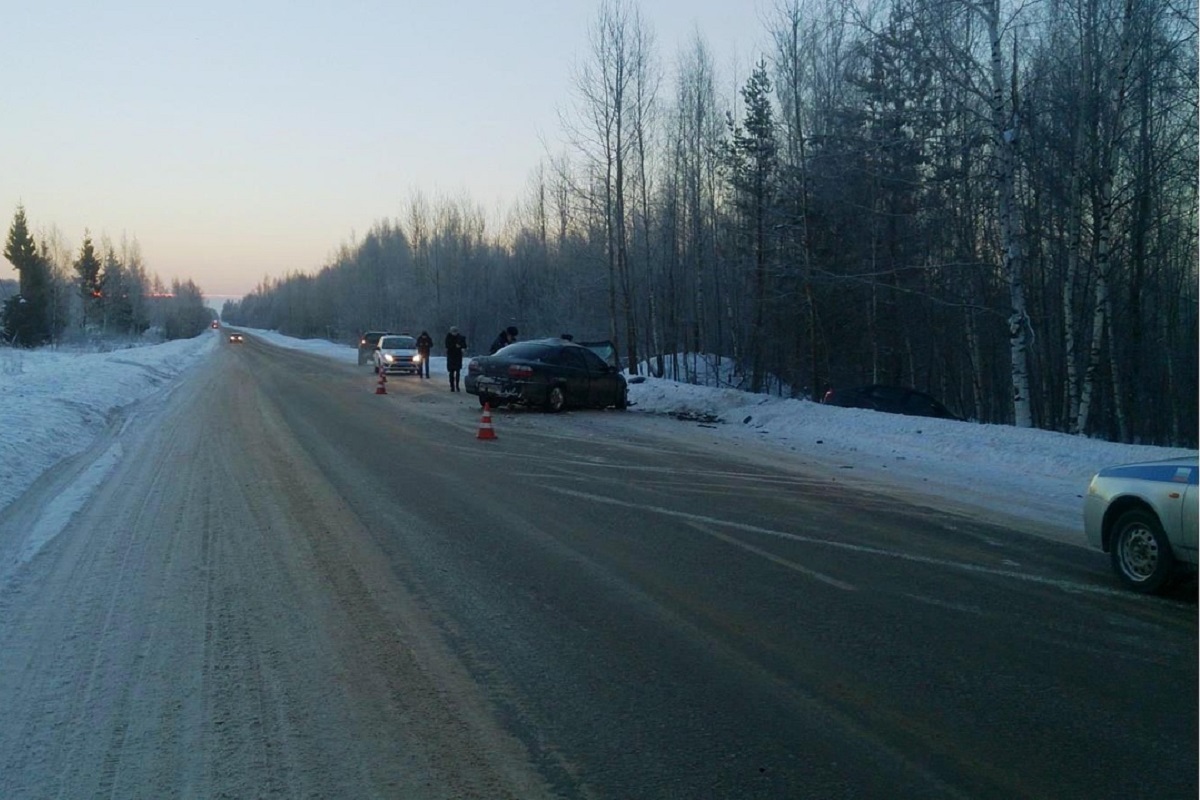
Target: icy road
x: 280, y: 584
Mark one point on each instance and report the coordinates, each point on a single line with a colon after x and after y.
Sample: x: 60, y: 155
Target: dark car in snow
x: 889, y: 399
x: 546, y: 373
x: 367, y: 344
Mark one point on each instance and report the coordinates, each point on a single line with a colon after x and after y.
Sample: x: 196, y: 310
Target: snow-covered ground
x: 54, y: 403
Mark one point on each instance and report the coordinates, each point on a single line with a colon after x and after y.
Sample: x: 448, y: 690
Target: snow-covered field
x: 53, y: 404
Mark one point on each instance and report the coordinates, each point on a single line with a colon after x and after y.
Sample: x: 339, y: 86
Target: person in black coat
x: 456, y: 345
x: 504, y: 339
x: 424, y: 347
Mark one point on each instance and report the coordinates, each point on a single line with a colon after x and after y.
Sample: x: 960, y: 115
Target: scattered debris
x: 694, y: 416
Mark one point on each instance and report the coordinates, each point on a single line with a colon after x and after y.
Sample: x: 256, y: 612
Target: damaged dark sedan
x: 546, y: 373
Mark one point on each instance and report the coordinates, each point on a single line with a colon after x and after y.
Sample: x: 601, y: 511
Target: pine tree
x: 117, y: 311
x: 25, y: 316
x: 87, y: 267
x: 20, y: 250
x: 752, y: 158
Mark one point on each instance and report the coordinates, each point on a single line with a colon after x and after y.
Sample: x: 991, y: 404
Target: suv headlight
x: 388, y: 357
x: 417, y: 358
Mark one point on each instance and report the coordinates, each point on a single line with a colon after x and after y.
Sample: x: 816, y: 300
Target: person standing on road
x: 456, y: 345
x: 424, y: 347
x: 504, y: 339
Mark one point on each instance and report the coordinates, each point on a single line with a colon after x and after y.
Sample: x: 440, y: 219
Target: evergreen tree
x: 116, y: 308
x: 752, y: 159
x: 25, y: 316
x: 20, y: 249
x: 87, y: 267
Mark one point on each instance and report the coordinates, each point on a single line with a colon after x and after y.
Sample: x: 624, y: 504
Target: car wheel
x: 484, y: 400
x: 556, y: 399
x: 1141, y: 554
x: 622, y: 400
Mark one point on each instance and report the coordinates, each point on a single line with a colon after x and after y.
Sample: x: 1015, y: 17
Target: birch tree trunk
x: 1006, y: 129
x: 645, y: 80
x: 1095, y: 352
x: 697, y: 121
x: 1104, y: 215
x: 1074, y: 243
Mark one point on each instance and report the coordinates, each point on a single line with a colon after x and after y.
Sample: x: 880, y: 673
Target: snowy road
x: 285, y: 585
x: 217, y: 623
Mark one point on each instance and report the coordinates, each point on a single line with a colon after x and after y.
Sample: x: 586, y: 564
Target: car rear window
x: 527, y: 351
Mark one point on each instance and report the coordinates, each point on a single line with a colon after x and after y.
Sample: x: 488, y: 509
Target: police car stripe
x: 1156, y: 473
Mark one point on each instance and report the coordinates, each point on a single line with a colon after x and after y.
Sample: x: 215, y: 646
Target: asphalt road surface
x: 286, y: 585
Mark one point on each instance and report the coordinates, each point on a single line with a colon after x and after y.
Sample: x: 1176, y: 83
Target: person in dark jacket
x: 504, y: 338
x: 456, y: 345
x: 424, y: 347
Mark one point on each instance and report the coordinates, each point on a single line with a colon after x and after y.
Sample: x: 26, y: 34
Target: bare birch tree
x: 608, y: 90
x: 698, y: 130
x: 1006, y: 132
x: 1109, y: 141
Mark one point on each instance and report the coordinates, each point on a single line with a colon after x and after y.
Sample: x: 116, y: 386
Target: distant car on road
x: 1144, y: 516
x: 367, y: 344
x: 397, y: 354
x: 235, y: 338
x: 547, y: 373
x: 216, y: 323
x: 889, y: 399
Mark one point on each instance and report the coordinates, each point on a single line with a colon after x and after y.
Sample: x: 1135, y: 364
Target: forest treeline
x: 991, y: 201
x: 91, y: 296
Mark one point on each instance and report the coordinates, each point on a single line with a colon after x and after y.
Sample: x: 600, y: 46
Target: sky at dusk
x: 237, y: 140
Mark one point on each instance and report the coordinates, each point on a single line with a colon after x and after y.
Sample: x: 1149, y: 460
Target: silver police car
x: 1144, y: 516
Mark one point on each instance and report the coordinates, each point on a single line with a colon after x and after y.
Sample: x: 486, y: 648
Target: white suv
x: 397, y: 353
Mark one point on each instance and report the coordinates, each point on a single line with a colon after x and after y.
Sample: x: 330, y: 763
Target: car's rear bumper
x: 508, y: 391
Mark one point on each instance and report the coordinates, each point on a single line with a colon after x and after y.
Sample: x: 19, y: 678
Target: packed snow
x: 54, y: 403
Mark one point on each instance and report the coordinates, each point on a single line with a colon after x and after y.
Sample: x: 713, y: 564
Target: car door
x: 602, y: 380
x: 1191, y: 510
x: 888, y: 398
x: 574, y: 372
x: 919, y: 404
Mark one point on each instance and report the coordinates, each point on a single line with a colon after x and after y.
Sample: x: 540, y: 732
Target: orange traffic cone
x: 380, y: 388
x: 486, y: 431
